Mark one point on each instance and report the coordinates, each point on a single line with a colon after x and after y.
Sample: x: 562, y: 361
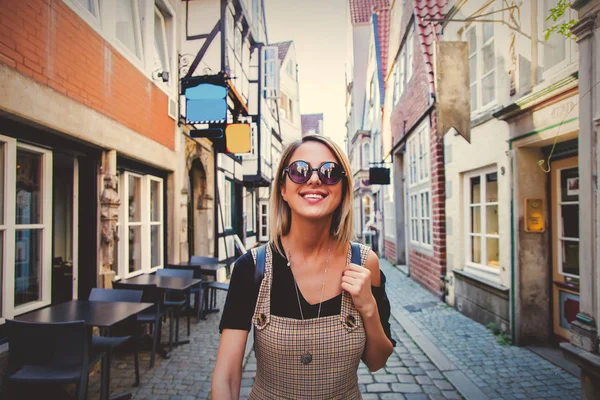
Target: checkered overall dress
x: 336, y: 343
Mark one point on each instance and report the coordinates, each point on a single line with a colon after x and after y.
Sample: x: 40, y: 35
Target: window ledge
x: 478, y: 280
x: 484, y: 116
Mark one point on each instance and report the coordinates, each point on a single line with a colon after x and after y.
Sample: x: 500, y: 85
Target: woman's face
x: 312, y: 200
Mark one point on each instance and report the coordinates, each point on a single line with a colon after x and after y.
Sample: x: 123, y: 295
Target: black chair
x: 106, y: 342
x: 175, y: 299
x: 42, y: 353
x: 152, y: 316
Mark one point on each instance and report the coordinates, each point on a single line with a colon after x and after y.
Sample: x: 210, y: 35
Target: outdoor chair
x: 152, y: 316
x: 177, y: 300
x: 106, y: 342
x: 43, y: 353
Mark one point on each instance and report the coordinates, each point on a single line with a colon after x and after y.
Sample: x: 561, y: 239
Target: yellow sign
x: 238, y: 138
x: 534, y: 215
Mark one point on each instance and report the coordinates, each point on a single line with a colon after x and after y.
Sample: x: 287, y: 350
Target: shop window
x: 141, y: 225
x: 568, y: 223
x: 482, y: 222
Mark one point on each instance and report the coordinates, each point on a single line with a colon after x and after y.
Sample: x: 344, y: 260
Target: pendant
x: 306, y: 358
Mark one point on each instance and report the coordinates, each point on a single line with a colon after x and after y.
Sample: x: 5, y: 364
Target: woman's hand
x: 356, y: 280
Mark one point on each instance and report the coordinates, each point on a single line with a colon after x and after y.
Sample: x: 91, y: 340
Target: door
x: 64, y: 229
x: 565, y: 245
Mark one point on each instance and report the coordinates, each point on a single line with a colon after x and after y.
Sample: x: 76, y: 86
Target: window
x: 410, y: 51
x: 420, y: 217
x: 367, y: 210
x: 90, y: 5
x: 568, y: 223
x: 290, y: 68
x: 482, y: 64
x: 389, y: 214
x: 161, y: 49
x: 418, y: 156
x: 357, y: 214
x: 140, y: 226
x: 264, y: 222
x: 249, y: 211
x: 225, y: 193
x: 366, y: 155
x: 557, y: 50
x: 270, y: 72
x: 291, y: 110
x: 128, y: 26
x: 372, y: 91
x: 399, y: 76
x: 25, y: 227
x: 482, y: 220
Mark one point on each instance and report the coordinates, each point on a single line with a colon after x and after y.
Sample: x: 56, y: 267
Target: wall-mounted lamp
x: 164, y: 75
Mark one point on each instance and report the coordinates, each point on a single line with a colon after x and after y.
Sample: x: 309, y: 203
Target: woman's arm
x: 357, y: 281
x: 227, y: 374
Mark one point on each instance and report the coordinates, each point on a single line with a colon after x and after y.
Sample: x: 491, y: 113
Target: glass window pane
x: 476, y: 219
x: 491, y: 187
x: 160, y: 47
x: 488, y: 58
x: 570, y: 257
x: 155, y: 202
x: 493, y: 252
x: 475, y: 190
x: 476, y: 249
x: 155, y: 246
x: 473, y: 69
x: 491, y: 219
x: 28, y: 266
x: 488, y: 88
x: 29, y: 187
x: 126, y: 26
x: 570, y: 220
x: 472, y: 41
x: 569, y: 184
x: 555, y: 50
x: 474, y: 102
x: 135, y: 198
x: 135, y: 248
x: 488, y: 31
x: 117, y: 256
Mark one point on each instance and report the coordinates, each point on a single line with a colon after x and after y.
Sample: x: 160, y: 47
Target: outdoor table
x: 165, y: 283
x: 94, y: 313
x: 205, y: 267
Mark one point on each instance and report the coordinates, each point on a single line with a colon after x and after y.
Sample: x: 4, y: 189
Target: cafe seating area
x: 131, y: 333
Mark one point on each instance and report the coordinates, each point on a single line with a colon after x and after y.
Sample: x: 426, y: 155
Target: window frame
x: 419, y: 156
x: 227, y: 205
x: 570, y: 45
x: 480, y: 75
x: 410, y: 52
x: 366, y: 155
x: 137, y: 31
x: 560, y: 239
x: 483, y: 270
x: 389, y: 216
x: 264, y: 220
x: 250, y: 220
x: 160, y: 222
x: 10, y: 228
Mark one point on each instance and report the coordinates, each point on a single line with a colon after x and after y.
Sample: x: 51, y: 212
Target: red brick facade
x: 46, y: 41
x: 389, y: 249
x: 414, y: 106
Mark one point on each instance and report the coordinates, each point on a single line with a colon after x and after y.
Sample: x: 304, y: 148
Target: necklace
x: 307, y: 356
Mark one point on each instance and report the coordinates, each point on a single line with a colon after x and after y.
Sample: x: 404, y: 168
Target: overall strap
x: 356, y: 258
x: 261, y: 257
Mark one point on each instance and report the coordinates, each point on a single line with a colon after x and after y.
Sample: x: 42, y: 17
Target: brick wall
x: 390, y: 250
x: 46, y: 41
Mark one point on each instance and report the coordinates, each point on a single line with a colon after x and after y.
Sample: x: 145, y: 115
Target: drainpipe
x: 513, y: 261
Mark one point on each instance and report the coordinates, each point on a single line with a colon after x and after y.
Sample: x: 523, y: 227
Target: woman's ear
x: 282, y: 191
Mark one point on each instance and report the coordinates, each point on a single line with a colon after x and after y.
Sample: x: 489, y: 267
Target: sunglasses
x: 329, y: 172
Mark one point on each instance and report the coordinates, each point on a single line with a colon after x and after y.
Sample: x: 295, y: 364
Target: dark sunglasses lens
x: 299, y: 172
x: 330, y: 173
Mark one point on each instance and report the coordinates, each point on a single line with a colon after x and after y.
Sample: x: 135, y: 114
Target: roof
x: 428, y: 30
x: 381, y: 26
x: 361, y: 10
x: 283, y: 48
x: 311, y: 122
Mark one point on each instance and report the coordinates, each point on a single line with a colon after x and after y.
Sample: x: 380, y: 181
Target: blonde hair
x: 342, y: 228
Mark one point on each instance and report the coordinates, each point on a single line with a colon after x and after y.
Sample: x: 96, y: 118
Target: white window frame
x: 10, y: 227
x: 85, y: 14
x: 168, y: 46
x: 399, y: 75
x: 570, y: 45
x: 366, y: 155
x: 137, y: 31
x: 367, y: 216
x: 357, y: 215
x: 250, y: 220
x: 389, y: 211
x: 264, y: 221
x: 560, y: 238
x: 478, y: 54
x: 410, y: 52
x: 418, y: 148
x: 226, y: 203
x: 482, y: 270
x: 145, y: 224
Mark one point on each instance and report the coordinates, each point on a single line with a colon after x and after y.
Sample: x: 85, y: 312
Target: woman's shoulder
x: 244, y: 265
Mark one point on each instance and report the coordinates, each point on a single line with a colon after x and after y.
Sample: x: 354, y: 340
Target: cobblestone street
x: 440, y: 354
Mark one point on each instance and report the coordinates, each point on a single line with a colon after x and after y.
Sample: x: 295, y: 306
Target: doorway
x: 199, y: 226
x: 65, y: 209
x: 565, y: 245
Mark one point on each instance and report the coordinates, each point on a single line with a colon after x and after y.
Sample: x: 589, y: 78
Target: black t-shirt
x: 243, y: 294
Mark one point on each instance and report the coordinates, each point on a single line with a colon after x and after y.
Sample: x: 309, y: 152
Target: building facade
x: 289, y: 101
x: 311, y: 124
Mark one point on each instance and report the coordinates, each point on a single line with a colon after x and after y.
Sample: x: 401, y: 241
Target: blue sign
x: 206, y: 103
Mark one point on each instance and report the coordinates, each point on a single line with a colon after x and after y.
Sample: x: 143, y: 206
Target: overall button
x: 262, y: 319
x: 350, y: 321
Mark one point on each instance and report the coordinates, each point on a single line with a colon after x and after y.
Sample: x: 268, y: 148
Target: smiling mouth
x: 313, y: 196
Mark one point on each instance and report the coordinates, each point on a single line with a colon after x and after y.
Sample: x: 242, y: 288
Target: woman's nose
x: 314, y: 178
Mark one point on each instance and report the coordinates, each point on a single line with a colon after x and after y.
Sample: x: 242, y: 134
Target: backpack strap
x: 355, y: 253
x: 261, y: 259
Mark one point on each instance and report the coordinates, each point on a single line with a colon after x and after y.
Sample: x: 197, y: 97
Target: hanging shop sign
x: 238, y: 138
x: 205, y: 99
x: 379, y: 176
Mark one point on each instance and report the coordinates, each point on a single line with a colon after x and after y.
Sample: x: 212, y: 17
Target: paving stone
x: 370, y: 396
x: 416, y: 396
x: 435, y: 374
x: 430, y: 389
x: 406, y: 388
x: 378, y: 387
x: 443, y: 385
x: 386, y: 378
x: 402, y: 378
x: 365, y: 379
x: 397, y: 370
x: 424, y: 380
x: 391, y: 396
x: 451, y: 394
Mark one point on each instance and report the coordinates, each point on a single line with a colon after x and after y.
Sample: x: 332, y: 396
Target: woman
x: 315, y: 314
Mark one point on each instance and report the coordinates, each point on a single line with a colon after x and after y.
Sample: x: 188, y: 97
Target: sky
x: 318, y: 29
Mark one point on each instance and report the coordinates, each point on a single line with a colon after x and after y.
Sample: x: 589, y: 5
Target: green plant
x: 563, y: 28
x: 501, y: 337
